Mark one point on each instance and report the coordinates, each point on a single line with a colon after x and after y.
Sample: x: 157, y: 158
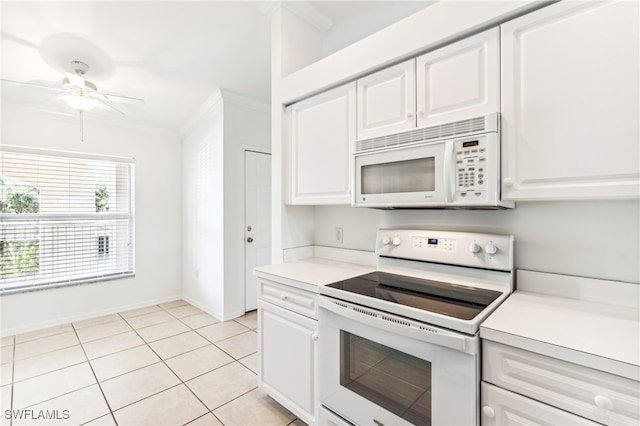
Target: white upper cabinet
x: 320, y: 132
x: 570, y: 96
x: 387, y: 101
x: 456, y: 82
x: 459, y: 81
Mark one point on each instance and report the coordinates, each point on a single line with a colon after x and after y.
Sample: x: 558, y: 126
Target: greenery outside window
x: 65, y: 218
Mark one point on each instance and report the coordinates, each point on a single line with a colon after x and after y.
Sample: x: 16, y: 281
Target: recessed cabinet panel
x: 501, y: 407
x: 571, y: 102
x: 287, y: 359
x: 296, y: 300
x: 590, y: 393
x: 321, y: 130
x: 386, y: 101
x: 459, y: 81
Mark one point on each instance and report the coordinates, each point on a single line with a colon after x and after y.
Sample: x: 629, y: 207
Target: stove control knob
x: 396, y: 241
x: 386, y: 240
x: 491, y: 248
x: 474, y: 248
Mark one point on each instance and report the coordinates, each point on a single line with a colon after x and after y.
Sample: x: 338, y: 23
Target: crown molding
x: 88, y: 118
x: 216, y: 101
x: 209, y: 106
x: 229, y: 96
x: 302, y: 10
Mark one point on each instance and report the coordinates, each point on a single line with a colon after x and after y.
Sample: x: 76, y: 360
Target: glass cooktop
x: 453, y: 300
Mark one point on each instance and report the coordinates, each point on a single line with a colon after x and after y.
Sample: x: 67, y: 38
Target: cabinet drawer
x: 501, y: 407
x: 300, y: 301
x: 594, y: 394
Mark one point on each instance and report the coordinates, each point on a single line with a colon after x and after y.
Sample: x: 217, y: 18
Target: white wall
x: 247, y: 126
x: 158, y: 219
x: 202, y: 212
x: 213, y: 190
x: 598, y: 239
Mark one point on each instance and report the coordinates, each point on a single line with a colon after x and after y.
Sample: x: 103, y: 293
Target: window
x: 65, y: 218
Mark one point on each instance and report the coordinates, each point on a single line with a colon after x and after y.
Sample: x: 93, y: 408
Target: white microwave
x: 454, y: 165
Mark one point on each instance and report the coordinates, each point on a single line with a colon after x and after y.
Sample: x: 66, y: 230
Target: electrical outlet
x: 339, y: 235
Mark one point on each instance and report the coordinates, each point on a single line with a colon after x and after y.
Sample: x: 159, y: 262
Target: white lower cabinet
x: 502, y: 407
x: 523, y: 387
x: 287, y: 351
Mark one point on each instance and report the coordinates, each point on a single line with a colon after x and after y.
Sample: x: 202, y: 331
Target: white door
x: 257, y: 213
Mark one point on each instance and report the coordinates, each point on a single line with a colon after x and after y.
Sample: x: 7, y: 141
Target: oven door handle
x: 396, y: 324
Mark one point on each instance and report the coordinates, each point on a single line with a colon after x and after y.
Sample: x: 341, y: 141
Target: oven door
x: 380, y: 369
x: 403, y: 177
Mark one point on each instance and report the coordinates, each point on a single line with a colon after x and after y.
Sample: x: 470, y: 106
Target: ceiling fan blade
x: 107, y: 104
x: 121, y: 99
x: 75, y: 80
x: 25, y: 83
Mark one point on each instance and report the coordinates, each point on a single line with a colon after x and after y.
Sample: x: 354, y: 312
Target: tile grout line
x: 230, y: 355
x: 97, y: 381
x: 87, y: 360
x: 148, y: 344
x: 180, y: 378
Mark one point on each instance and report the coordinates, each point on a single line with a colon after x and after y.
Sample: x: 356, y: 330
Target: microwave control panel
x: 471, y: 167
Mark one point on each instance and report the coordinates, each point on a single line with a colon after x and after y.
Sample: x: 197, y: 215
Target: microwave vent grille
x: 458, y: 128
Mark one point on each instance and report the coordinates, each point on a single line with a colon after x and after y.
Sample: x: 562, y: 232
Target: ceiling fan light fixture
x: 80, y: 102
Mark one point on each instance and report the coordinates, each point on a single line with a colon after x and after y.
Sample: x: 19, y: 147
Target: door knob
x: 249, y: 240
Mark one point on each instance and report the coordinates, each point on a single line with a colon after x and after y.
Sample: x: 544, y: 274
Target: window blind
x: 65, y: 218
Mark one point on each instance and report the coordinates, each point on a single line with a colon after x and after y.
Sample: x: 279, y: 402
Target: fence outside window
x: 65, y: 218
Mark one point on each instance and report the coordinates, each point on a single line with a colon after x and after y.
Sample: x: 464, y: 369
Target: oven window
x: 396, y: 381
x: 399, y: 176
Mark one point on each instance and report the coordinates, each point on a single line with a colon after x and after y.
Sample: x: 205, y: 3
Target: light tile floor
x: 168, y: 364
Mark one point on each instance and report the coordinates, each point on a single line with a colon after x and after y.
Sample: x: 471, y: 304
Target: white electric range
x: 400, y: 345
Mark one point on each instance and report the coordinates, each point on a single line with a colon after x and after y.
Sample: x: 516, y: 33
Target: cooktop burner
x: 453, y: 300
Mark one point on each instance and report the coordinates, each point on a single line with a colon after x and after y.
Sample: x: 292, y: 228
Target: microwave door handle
x: 449, y: 171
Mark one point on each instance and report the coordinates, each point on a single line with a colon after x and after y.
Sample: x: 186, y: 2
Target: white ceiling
x: 172, y: 54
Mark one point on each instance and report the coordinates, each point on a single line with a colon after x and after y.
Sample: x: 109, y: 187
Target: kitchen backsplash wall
x: 597, y: 239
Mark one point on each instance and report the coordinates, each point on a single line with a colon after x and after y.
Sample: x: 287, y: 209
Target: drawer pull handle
x: 603, y: 402
x: 314, y: 336
x: 283, y: 297
x: 488, y: 412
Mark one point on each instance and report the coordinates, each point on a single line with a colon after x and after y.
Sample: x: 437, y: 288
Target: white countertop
x: 310, y: 274
x: 600, y: 335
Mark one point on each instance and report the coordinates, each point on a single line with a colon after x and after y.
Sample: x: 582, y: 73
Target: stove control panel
x: 446, y: 244
x: 489, y: 251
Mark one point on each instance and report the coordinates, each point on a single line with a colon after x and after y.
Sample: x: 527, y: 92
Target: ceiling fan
x: 82, y: 95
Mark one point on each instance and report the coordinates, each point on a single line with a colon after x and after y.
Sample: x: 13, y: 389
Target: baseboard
x: 203, y: 308
x: 217, y: 315
x: 80, y: 317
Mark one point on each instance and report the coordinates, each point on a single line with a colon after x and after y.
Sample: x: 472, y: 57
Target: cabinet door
x: 459, y: 81
x: 321, y: 130
x: 287, y: 354
x: 593, y: 394
x: 570, y: 102
x: 387, y: 101
x: 501, y: 407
